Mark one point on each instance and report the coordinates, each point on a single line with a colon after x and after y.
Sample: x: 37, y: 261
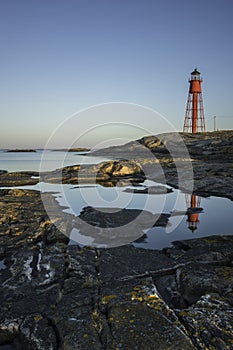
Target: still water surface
x: 31, y: 161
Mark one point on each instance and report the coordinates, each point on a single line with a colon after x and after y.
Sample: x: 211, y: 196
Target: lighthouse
x: 194, y: 116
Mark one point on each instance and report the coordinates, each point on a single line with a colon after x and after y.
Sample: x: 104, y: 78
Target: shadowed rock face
x: 56, y: 296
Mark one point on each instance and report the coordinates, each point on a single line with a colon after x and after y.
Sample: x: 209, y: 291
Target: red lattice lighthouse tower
x: 194, y: 117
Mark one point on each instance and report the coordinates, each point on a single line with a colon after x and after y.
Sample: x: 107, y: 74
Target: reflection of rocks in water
x: 150, y: 190
x: 120, y: 182
x: 194, y: 210
x: 115, y: 226
x: 115, y: 217
x: 108, y: 217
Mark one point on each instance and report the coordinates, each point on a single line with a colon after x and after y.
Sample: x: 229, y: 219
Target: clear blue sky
x: 60, y: 56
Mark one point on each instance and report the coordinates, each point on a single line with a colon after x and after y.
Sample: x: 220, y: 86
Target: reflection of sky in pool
x: 216, y: 217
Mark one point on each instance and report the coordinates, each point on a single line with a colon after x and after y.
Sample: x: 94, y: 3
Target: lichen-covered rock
x: 138, y: 318
x: 209, y: 323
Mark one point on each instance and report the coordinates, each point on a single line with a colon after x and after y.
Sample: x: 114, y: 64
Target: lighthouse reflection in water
x: 193, y: 210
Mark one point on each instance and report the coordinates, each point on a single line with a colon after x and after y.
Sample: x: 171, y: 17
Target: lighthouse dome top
x: 195, y: 72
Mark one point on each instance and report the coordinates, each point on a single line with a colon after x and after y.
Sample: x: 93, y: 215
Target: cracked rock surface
x: 59, y: 296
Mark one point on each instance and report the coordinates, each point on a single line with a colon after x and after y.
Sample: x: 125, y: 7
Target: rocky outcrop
x: 208, y: 160
x: 110, y: 173
x: 59, y: 296
x: 163, y: 159
x: 171, y: 159
x: 22, y: 178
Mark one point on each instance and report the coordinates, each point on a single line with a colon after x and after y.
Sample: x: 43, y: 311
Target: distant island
x: 79, y: 149
x: 20, y: 150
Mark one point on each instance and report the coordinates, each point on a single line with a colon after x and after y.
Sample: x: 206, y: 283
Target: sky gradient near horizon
x: 59, y: 57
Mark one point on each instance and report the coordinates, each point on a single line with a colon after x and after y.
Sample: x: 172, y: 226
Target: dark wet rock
x: 196, y: 280
x: 33, y: 330
x: 75, y: 315
x: 56, y: 296
x: 150, y: 190
x: 139, y: 262
x: 206, y: 249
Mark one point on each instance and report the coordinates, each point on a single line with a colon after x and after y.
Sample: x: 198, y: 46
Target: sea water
x: 47, y: 160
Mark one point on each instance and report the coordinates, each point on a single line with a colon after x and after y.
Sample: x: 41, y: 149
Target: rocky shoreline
x: 206, y: 158
x: 60, y: 296
x: 57, y: 296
